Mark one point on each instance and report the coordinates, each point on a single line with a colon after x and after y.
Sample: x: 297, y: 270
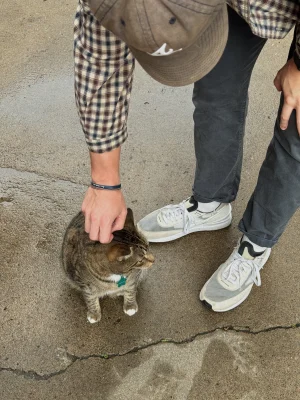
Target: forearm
x: 105, y: 167
x: 103, y: 79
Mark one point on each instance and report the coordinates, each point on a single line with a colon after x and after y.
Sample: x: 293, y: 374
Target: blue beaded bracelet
x: 105, y: 187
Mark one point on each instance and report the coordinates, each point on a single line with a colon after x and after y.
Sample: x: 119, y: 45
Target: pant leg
x: 277, y: 193
x: 220, y: 100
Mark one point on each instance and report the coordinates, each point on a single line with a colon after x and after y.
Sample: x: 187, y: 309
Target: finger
x: 285, y: 116
x: 84, y: 209
x: 94, y: 228
x: 87, y: 216
x: 119, y: 223
x: 277, y: 83
x: 106, y: 232
x: 87, y: 222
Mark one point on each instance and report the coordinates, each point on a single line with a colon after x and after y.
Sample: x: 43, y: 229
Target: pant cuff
x: 256, y: 239
x: 202, y: 199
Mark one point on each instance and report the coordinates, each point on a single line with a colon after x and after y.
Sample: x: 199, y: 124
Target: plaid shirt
x: 104, y: 66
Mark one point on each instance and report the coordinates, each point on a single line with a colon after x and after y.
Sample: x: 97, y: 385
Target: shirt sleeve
x: 104, y: 69
x: 297, y: 44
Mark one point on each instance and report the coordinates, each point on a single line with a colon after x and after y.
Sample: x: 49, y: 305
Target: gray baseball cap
x: 177, y: 42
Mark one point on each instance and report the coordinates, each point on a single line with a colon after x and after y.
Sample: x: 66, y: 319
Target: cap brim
x: 189, y: 65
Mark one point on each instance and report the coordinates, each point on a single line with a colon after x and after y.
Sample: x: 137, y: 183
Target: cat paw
x: 130, y: 311
x: 93, y: 318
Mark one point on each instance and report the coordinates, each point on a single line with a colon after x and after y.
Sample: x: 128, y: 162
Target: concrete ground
x: 173, y: 348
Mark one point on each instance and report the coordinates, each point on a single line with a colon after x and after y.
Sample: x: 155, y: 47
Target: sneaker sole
x: 205, y: 228
x: 207, y: 304
x: 211, y: 307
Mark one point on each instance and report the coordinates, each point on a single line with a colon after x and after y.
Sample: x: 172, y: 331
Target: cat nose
x: 150, y: 257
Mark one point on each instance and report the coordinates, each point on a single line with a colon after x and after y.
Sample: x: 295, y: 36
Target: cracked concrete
x: 164, y: 371
x: 173, y: 348
x: 70, y: 359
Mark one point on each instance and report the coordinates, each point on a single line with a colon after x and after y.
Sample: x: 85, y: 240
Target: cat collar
x: 122, y: 281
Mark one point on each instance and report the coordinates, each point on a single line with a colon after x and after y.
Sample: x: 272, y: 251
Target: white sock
x: 256, y: 247
x: 208, y: 207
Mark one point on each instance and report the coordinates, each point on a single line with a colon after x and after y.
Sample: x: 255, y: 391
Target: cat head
x: 130, y: 247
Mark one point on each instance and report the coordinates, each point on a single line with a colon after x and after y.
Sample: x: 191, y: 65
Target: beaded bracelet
x: 105, y: 187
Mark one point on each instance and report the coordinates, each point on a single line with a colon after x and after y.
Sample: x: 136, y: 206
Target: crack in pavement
x: 73, y: 358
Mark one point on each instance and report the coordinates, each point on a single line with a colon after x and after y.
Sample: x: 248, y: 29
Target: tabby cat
x: 99, y: 270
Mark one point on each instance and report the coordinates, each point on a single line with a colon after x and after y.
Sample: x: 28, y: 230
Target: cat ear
x: 126, y: 256
x: 119, y: 252
x: 129, y: 222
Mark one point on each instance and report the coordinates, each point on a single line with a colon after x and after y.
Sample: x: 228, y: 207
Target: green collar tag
x: 122, y: 281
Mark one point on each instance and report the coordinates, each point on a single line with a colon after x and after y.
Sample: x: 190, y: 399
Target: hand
x: 105, y: 212
x: 287, y: 81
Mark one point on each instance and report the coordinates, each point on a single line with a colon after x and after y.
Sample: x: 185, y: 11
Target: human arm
x: 103, y: 80
x: 287, y: 81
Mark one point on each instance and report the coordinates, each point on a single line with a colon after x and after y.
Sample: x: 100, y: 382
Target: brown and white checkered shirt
x: 104, y: 66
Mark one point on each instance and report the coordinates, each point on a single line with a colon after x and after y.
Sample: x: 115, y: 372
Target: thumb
x: 119, y: 222
x: 277, y: 82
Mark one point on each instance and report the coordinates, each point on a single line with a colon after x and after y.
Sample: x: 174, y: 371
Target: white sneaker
x: 231, y: 284
x: 174, y: 221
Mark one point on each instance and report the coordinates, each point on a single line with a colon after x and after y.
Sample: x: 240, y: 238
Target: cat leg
x: 93, y: 307
x: 130, y: 306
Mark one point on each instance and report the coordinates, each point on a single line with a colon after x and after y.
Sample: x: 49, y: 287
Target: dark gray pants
x: 220, y: 100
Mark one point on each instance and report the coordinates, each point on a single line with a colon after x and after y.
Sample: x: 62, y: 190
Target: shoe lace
x: 240, y: 265
x: 173, y: 213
